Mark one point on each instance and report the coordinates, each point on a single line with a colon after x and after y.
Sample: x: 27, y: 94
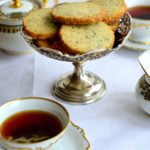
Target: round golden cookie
x: 115, y: 8
x: 38, y: 24
x: 85, y: 38
x: 78, y: 13
x: 52, y: 44
x: 114, y: 26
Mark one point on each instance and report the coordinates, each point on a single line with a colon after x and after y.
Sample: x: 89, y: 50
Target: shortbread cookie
x: 115, y: 8
x: 82, y: 39
x: 38, y: 24
x: 44, y: 43
x: 52, y: 44
x: 78, y: 13
x: 114, y: 26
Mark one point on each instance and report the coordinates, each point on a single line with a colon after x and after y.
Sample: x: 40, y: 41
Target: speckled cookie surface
x: 78, y: 13
x: 82, y: 39
x: 115, y: 8
x: 39, y: 25
x: 52, y: 44
x: 114, y: 26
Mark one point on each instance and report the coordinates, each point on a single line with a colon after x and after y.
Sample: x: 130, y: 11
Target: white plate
x: 74, y: 139
x: 136, y: 46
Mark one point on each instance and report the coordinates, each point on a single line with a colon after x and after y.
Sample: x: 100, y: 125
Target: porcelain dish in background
x: 139, y: 38
x: 143, y: 85
x: 11, y: 14
x: 28, y: 104
x: 136, y: 46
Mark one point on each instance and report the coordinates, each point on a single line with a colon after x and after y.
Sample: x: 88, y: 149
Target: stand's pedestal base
x: 84, y: 90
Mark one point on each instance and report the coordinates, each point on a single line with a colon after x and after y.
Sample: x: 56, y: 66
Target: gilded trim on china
x: 138, y: 42
x: 17, y: 52
x: 10, y: 29
x: 39, y: 98
x: 134, y: 48
x: 83, y: 134
x: 138, y: 25
x: 137, y: 19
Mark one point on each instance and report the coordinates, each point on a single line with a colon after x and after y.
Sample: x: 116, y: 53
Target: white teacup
x: 35, y: 104
x: 140, y: 28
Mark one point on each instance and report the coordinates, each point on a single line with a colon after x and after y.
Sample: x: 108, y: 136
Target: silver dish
x: 82, y: 87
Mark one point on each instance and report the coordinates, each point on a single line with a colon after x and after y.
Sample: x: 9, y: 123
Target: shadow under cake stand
x: 82, y: 87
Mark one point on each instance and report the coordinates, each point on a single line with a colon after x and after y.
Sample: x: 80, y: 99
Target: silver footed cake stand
x: 81, y: 87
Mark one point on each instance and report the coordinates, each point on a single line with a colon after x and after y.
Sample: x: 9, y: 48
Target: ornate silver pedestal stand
x: 82, y: 87
x: 79, y: 87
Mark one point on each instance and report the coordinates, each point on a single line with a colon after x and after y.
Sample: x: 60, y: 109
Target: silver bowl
x: 82, y: 87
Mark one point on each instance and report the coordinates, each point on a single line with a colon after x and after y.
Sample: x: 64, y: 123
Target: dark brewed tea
x: 140, y: 12
x: 30, y: 126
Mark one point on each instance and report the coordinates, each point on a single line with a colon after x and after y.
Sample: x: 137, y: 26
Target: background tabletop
x: 113, y: 123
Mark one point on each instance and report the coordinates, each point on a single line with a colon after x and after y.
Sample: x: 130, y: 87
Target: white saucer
x: 136, y: 46
x: 74, y: 139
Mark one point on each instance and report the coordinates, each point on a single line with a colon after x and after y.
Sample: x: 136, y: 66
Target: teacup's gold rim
x: 38, y: 98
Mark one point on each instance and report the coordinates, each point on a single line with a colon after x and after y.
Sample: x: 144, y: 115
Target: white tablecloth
x: 113, y: 123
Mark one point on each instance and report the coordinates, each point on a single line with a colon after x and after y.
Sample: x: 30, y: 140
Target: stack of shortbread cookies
x: 76, y: 28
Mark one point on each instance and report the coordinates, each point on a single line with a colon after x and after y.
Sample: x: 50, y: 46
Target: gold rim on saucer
x: 16, y: 52
x: 135, y: 46
x: 83, y: 134
x: 138, y: 42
